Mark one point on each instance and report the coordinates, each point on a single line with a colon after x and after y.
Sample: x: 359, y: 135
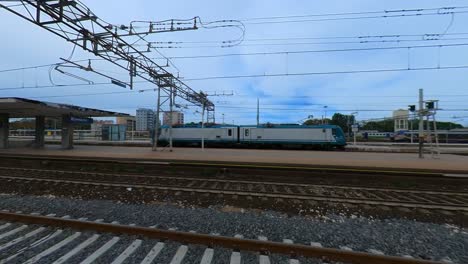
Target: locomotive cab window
x: 229, y: 132
x: 246, y: 132
x: 334, y: 131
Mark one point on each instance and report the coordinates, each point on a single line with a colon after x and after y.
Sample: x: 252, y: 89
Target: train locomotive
x: 268, y: 136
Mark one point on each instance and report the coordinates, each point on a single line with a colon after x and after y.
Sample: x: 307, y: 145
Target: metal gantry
x: 77, y: 24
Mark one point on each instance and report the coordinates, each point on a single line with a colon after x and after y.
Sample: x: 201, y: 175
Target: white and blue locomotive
x: 321, y: 136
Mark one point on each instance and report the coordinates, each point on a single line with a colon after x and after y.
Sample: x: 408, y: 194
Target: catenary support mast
x: 421, y: 123
x: 77, y: 24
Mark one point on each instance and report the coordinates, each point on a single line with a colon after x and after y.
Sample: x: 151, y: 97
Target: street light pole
x: 202, y: 130
x: 411, y: 133
x: 354, y: 122
x: 421, y: 123
x: 325, y: 114
x: 55, y: 129
x: 258, y: 111
x: 349, y: 127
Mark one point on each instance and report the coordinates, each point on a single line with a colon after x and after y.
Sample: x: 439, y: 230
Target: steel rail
x: 214, y: 240
x: 357, y: 201
x: 346, y: 187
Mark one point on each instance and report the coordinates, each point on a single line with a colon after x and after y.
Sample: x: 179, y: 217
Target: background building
x: 400, y: 118
x: 144, y: 119
x: 129, y: 121
x: 97, y: 124
x: 177, y: 118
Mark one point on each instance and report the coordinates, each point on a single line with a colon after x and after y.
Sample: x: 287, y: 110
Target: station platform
x: 385, y: 147
x: 407, y: 161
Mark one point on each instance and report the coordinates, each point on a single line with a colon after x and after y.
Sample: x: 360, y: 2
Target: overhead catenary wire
x: 197, y: 23
x: 355, y: 13
x: 54, y: 86
x: 348, y: 18
x: 283, y: 109
x: 142, y: 82
x: 27, y: 67
x: 326, y: 73
x: 357, y: 16
x: 239, y: 95
x: 229, y: 106
x: 330, y: 109
x: 287, y: 74
x: 264, y: 76
x: 140, y: 38
x: 290, y: 52
x: 427, y: 36
x: 400, y: 104
x: 361, y: 42
x: 349, y: 40
x: 360, y: 96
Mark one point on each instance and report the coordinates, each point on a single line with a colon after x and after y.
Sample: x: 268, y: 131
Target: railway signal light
x: 412, y: 108
x: 430, y: 105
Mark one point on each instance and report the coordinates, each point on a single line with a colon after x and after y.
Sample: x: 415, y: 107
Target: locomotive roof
x: 254, y: 126
x: 199, y: 126
x: 289, y: 126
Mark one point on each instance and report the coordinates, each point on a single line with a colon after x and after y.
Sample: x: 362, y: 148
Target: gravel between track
x: 391, y: 236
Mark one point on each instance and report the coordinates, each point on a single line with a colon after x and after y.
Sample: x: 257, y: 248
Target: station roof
x: 21, y: 107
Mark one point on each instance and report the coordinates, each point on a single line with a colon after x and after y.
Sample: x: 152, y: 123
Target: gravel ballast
x: 391, y: 236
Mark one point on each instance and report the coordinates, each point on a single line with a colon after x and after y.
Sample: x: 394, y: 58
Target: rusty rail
x: 358, y: 201
x: 220, y: 241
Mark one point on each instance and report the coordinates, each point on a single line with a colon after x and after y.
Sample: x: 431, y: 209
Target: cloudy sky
x: 281, y: 39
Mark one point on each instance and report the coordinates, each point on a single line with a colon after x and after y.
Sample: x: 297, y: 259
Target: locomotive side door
x: 229, y: 134
x: 256, y: 134
x: 246, y: 134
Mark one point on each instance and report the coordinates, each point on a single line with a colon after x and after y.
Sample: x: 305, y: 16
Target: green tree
x: 24, y: 123
x: 343, y: 121
x: 388, y: 125
x: 448, y: 125
x: 381, y: 126
x: 313, y: 122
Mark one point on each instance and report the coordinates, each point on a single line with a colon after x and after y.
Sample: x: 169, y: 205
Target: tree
x: 388, y: 125
x: 343, y: 121
x: 381, y: 126
x: 448, y: 125
x: 313, y: 122
x: 24, y: 123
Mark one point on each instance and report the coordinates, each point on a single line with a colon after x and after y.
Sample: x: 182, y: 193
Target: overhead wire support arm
x: 171, y: 25
x: 89, y: 69
x: 74, y: 22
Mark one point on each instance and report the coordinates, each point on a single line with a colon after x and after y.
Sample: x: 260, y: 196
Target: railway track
x: 53, y: 239
x: 309, y: 193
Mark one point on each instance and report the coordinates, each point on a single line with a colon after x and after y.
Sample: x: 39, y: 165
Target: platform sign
x: 355, y: 128
x: 80, y: 120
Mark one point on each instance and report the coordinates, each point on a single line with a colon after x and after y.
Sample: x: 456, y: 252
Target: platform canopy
x: 21, y: 107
